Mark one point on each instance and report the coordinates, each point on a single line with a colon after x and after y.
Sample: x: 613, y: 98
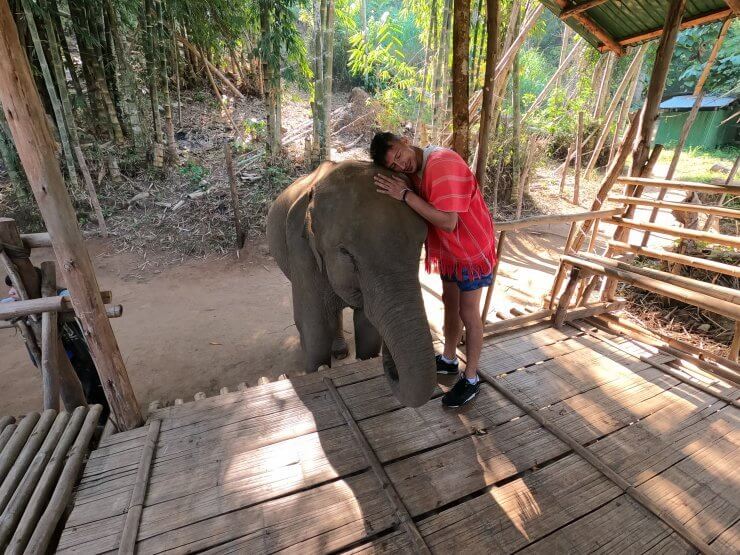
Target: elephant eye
x: 348, y: 254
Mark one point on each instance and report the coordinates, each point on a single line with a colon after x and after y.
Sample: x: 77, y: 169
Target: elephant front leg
x: 367, y: 338
x: 339, y: 348
x: 315, y: 328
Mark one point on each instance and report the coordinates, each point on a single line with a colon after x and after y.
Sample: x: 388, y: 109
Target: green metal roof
x: 631, y: 22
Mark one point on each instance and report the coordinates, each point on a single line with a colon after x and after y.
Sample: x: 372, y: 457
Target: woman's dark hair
x: 380, y: 145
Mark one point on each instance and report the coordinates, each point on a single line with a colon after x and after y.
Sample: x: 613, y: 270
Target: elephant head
x: 369, y: 247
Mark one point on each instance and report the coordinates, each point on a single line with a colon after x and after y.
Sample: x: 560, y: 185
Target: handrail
x: 517, y: 225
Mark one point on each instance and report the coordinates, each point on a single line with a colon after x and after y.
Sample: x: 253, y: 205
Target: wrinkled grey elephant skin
x: 342, y: 244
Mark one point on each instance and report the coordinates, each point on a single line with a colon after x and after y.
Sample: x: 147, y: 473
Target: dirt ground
x: 210, y: 323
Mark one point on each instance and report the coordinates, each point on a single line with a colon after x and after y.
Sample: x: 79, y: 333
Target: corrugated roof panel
x: 624, y: 19
x: 685, y: 102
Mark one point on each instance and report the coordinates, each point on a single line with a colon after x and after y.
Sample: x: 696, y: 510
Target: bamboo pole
x: 735, y: 347
x: 49, y: 339
x: 39, y: 540
x: 494, y: 273
x: 680, y: 185
x: 576, y: 50
x: 27, y: 454
x: 402, y: 512
x: 130, y: 531
x: 711, y: 289
x: 16, y: 443
x: 557, y: 281
x: 5, y: 435
x: 604, y: 85
x: 26, y: 119
x: 577, y: 171
x: 35, y: 505
x: 210, y: 67
x: 713, y: 238
x: 558, y: 319
x: 564, y: 175
x: 679, y: 206
x: 6, y: 421
x: 701, y: 300
x: 240, y: 235
x: 624, y: 110
x: 26, y: 488
x: 547, y: 219
x: 686, y: 260
x: 728, y: 181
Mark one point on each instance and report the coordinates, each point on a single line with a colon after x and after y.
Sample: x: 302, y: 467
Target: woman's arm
x: 395, y: 187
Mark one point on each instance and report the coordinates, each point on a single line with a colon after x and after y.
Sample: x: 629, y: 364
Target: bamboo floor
x: 300, y: 465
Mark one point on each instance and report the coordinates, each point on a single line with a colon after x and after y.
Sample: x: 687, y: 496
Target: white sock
x: 474, y: 380
x: 448, y: 361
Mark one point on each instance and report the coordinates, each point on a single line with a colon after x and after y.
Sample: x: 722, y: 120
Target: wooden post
x: 240, y: 235
x: 489, y: 294
x: 728, y: 181
x: 735, y: 347
x: 559, y: 317
x: 49, y: 351
x: 36, y: 149
x: 579, y: 149
x: 560, y: 274
x: 564, y: 175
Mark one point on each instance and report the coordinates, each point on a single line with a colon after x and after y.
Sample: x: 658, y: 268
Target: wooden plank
x: 401, y: 512
x: 430, y: 425
x: 437, y: 477
x: 578, y: 8
x: 221, y: 480
x: 323, y: 519
x: 728, y: 541
x: 16, y: 442
x: 622, y: 526
x: 679, y: 185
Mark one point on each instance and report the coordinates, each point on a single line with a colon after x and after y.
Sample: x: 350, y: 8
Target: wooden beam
x: 734, y: 6
x: 579, y: 8
x: 518, y: 225
x: 489, y: 293
x: 586, y: 311
x: 713, y: 238
x: 685, y: 24
x: 679, y: 185
x: 558, y: 319
x: 37, y: 151
x: 701, y: 300
x: 49, y: 351
x: 17, y: 309
x: 668, y: 256
x: 716, y: 291
x: 680, y: 206
x: 606, y: 39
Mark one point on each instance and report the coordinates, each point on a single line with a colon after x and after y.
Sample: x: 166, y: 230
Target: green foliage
x: 692, y: 50
x: 193, y: 172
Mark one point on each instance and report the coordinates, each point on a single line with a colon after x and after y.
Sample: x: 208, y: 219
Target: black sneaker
x: 462, y: 392
x: 446, y: 367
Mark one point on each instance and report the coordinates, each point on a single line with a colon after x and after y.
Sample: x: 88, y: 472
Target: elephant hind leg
x: 339, y: 348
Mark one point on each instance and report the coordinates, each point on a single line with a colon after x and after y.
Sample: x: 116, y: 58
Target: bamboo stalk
x: 558, y: 319
x: 49, y: 364
x: 489, y: 293
x: 701, y: 300
x: 680, y: 206
x: 735, y: 346
x: 16, y: 443
x: 713, y: 238
x: 564, y: 175
x: 136, y: 504
x: 13, y: 510
x: 210, y: 67
x: 577, y: 48
x: 728, y: 181
x: 45, y: 484
x: 240, y: 235
x: 577, y: 171
x: 39, y: 541
x: 560, y: 275
x: 686, y: 260
x: 14, y: 474
x: 679, y: 185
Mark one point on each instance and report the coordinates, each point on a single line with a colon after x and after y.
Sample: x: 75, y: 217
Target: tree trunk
x: 492, y: 7
x: 564, y: 47
x: 319, y: 138
x: 328, y: 69
x: 59, y: 29
x: 478, y: 33
x: 12, y: 163
x: 51, y: 90
x: 460, y: 78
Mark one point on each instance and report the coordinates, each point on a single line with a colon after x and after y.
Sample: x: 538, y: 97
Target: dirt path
x: 205, y: 324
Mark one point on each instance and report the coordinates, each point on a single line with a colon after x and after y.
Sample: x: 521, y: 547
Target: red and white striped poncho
x: 448, y: 184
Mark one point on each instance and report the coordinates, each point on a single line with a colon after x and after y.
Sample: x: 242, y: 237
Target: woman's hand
x: 391, y: 185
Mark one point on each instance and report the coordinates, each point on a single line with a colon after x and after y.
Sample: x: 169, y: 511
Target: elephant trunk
x: 394, y: 305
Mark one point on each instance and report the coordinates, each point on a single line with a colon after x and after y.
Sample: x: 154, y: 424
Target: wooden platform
x: 277, y: 467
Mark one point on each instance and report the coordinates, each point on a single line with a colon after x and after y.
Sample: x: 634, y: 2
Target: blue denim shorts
x: 467, y: 284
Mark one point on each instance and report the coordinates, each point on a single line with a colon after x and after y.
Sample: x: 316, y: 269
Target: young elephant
x: 341, y: 244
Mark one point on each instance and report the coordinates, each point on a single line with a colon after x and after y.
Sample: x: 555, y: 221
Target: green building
x: 708, y: 130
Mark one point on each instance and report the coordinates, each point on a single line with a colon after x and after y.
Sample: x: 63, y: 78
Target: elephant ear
x: 299, y: 225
